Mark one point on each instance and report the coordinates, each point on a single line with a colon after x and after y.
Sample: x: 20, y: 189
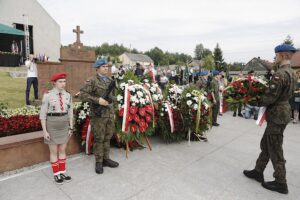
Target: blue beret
x: 204, y: 73
x: 285, y: 48
x: 99, y: 63
x: 215, y: 72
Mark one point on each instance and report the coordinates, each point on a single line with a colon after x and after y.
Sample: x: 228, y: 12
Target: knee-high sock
x: 55, y: 167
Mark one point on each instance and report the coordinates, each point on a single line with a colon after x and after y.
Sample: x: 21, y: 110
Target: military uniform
x: 276, y: 99
x: 57, y: 110
x: 202, y: 83
x: 102, y: 123
x: 214, y: 88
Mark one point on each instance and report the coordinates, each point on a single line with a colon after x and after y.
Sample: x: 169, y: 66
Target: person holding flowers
x: 56, y: 117
x: 276, y: 99
x: 101, y: 114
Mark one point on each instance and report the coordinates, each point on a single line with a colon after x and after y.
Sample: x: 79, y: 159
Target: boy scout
x: 102, y: 114
x: 281, y: 88
x: 57, y: 122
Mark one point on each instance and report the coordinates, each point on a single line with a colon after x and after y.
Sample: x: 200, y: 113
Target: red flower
x: 133, y: 109
x: 136, y: 118
x: 142, y: 111
x: 142, y: 123
x: 121, y: 112
x: 149, y: 109
x: 142, y: 129
x: 133, y: 128
x: 148, y: 118
x: 129, y: 117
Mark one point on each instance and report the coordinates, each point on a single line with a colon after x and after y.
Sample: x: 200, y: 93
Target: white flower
x: 139, y: 94
x: 119, y: 97
x: 188, y: 95
x: 153, y: 89
x: 162, y: 114
x: 195, y: 99
x: 146, y: 80
x: 86, y: 105
x: 195, y: 106
x: 133, y: 98
x: 189, y: 102
x: 143, y: 101
x: 132, y: 88
x: 122, y: 86
x: 154, y: 97
x: 133, y: 104
x: 82, y: 115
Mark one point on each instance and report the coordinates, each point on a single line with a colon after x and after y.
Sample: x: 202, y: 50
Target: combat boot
x: 258, y: 176
x: 275, y: 186
x: 110, y: 163
x: 99, y: 168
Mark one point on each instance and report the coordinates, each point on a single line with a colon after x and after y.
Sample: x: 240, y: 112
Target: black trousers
x: 215, y: 111
x: 31, y: 81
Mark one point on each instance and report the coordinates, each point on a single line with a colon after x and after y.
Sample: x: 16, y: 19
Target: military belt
x: 57, y: 114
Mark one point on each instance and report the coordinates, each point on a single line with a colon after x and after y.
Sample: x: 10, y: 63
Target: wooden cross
x: 78, y: 32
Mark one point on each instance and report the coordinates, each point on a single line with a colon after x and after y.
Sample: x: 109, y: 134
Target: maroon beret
x: 57, y: 76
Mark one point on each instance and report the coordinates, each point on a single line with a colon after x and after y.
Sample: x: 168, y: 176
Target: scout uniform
x: 281, y: 88
x: 57, y: 110
x: 214, y: 88
x: 102, y: 117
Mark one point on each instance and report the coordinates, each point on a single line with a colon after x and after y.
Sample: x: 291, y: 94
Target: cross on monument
x: 78, y: 32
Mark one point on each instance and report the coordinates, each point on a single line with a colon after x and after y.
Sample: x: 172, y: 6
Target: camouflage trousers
x: 271, y: 149
x: 215, y: 111
x: 102, y: 129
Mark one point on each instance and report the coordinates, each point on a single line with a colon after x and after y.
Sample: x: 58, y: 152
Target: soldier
x: 57, y: 122
x: 202, y: 82
x: 280, y: 90
x: 102, y: 114
x: 214, y: 90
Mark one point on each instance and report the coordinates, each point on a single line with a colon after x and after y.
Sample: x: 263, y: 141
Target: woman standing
x: 296, y: 101
x: 57, y: 122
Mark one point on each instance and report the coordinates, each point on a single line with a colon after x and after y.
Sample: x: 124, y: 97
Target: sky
x: 243, y: 28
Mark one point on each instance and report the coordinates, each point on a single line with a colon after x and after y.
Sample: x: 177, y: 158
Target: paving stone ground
x: 210, y: 171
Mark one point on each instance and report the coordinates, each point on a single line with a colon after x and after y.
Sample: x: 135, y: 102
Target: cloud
x: 243, y: 28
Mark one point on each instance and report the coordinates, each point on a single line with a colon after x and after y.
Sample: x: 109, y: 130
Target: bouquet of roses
x: 135, y: 113
x: 196, y: 112
x: 244, y: 90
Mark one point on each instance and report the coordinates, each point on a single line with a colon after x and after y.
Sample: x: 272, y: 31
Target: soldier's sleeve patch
x: 88, y: 80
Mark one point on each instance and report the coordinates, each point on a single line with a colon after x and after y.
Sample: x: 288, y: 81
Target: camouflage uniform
x: 280, y: 90
x: 214, y: 88
x: 102, y: 123
x: 202, y: 84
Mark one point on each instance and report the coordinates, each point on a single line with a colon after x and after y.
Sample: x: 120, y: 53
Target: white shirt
x: 31, y: 69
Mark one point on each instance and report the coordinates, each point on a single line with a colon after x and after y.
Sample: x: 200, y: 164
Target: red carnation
x: 148, y: 118
x: 136, y: 118
x: 142, y: 112
x: 149, y: 109
x: 133, y: 109
x: 142, y: 129
x: 129, y: 117
x: 133, y: 128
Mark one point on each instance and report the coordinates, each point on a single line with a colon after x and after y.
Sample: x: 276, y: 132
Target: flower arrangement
x: 196, y: 112
x: 244, y: 90
x: 134, y: 113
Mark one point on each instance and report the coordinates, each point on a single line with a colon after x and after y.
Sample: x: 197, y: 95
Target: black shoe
x: 65, y: 177
x: 215, y: 124
x: 254, y: 175
x: 240, y: 115
x: 110, y: 163
x: 275, y: 186
x: 58, y: 179
x: 99, y: 168
x: 234, y: 114
x: 204, y: 138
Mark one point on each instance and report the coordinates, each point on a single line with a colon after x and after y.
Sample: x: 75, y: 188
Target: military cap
x: 215, y: 72
x: 99, y: 63
x: 204, y: 73
x: 285, y: 48
x: 57, y: 76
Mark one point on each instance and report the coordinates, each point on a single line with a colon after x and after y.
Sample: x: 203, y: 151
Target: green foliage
x: 218, y: 58
x: 209, y: 63
x: 111, y: 50
x: 288, y: 40
x: 201, y: 52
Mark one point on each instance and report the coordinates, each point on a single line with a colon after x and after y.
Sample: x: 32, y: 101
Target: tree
x: 201, y: 52
x: 218, y: 58
x: 208, y: 62
x: 288, y: 40
x: 156, y: 54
